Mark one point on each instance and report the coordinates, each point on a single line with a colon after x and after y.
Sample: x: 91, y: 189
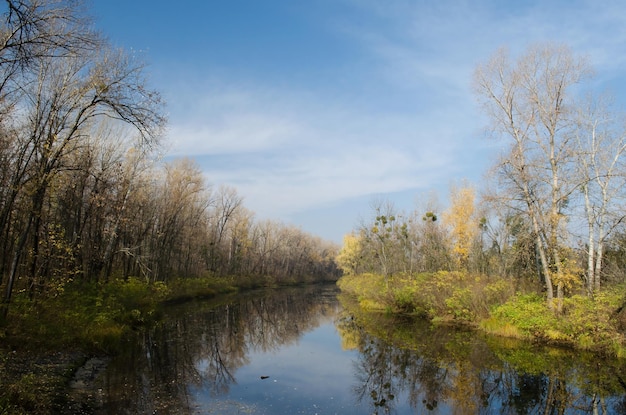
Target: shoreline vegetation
x: 45, y: 343
x: 49, y: 341
x: 497, y: 307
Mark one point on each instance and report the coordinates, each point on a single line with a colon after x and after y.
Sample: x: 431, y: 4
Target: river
x: 307, y: 350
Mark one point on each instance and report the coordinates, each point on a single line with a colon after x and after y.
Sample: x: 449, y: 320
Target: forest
x: 538, y: 252
x: 87, y: 202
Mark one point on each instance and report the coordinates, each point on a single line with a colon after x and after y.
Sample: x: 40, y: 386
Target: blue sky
x: 312, y: 109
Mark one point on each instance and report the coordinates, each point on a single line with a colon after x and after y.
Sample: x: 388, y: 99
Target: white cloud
x: 331, y: 155
x: 413, y: 124
x: 234, y: 133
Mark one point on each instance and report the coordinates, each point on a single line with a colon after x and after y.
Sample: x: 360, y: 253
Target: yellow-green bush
x: 371, y: 290
x: 529, y: 313
x: 404, y: 299
x: 88, y: 315
x: 442, y: 295
x: 585, y: 322
x: 589, y: 323
x: 135, y: 293
x: 461, y: 305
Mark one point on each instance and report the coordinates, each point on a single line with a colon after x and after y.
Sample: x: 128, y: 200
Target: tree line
x: 83, y: 194
x: 552, y: 213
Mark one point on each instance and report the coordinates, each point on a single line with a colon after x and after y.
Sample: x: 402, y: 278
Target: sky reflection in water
x: 208, y: 358
x: 312, y: 375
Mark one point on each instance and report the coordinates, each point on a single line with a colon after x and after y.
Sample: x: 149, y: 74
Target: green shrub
x: 370, y: 289
x: 589, y: 323
x: 135, y: 293
x: 529, y: 313
x: 29, y: 394
x: 498, y: 292
x: 404, y: 299
x: 186, y: 288
x: 461, y: 305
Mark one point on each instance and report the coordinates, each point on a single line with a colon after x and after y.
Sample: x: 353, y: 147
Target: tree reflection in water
x: 203, y: 343
x: 196, y: 357
x: 447, y: 370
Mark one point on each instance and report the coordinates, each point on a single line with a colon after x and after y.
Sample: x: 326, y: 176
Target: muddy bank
x: 64, y: 382
x: 84, y: 390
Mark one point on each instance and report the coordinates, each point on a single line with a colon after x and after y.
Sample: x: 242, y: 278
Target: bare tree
x: 66, y: 89
x: 227, y: 204
x: 183, y: 201
x: 601, y: 143
x: 529, y: 103
x: 32, y: 30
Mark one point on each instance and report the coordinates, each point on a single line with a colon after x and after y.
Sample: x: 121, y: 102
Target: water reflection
x: 455, y: 371
x: 201, y: 345
x: 325, y: 357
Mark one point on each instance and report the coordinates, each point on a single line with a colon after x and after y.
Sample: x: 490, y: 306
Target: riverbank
x: 498, y: 307
x: 48, y: 347
x: 37, y: 382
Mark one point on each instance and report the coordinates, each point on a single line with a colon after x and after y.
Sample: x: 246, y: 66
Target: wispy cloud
x: 318, y: 156
x: 410, y: 121
x: 234, y: 133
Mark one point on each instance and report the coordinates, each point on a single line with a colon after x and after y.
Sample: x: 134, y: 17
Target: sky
x: 315, y: 109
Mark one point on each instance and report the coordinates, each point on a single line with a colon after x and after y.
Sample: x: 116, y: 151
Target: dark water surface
x: 302, y: 351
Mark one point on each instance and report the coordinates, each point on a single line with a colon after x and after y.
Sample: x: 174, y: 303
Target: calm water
x: 302, y: 351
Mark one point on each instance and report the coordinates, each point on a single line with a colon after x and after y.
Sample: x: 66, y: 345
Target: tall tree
x: 387, y: 240
x: 529, y: 103
x: 30, y: 31
x: 227, y: 203
x: 65, y: 89
x: 349, y: 258
x: 601, y: 141
x: 460, y: 217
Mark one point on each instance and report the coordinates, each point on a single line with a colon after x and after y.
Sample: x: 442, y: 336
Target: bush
x: 529, y: 313
x: 370, y: 290
x: 135, y: 293
x: 130, y: 301
x: 404, y: 299
x: 187, y: 288
x: 443, y: 295
x: 586, y: 322
x: 590, y: 321
x: 461, y: 305
x: 459, y: 297
x: 85, y: 315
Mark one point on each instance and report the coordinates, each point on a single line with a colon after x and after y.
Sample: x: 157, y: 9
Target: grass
x: 497, y: 327
x: 95, y: 317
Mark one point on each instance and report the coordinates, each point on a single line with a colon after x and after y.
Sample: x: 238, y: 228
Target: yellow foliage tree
x: 461, y: 218
x: 348, y: 257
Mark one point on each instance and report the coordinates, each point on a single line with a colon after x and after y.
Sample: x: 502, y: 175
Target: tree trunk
x: 590, y: 243
x: 598, y: 269
x: 13, y: 271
